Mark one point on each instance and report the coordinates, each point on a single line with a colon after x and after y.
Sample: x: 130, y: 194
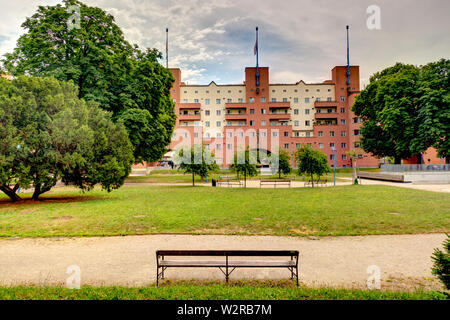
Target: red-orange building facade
x: 227, y: 118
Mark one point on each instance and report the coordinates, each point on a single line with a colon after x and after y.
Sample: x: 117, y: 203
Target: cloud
x: 299, y: 39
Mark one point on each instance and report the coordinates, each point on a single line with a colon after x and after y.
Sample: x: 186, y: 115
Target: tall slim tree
x: 198, y: 161
x: 311, y: 162
x: 245, y: 164
x: 94, y: 54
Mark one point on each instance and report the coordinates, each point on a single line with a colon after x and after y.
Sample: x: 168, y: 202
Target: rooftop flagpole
x: 257, y: 62
x: 167, y: 48
x: 348, y: 59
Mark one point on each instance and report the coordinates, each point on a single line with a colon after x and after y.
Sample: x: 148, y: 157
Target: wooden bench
x: 223, y: 262
x: 274, y: 183
x: 230, y: 183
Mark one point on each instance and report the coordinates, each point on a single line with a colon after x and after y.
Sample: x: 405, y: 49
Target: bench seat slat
x: 205, y: 263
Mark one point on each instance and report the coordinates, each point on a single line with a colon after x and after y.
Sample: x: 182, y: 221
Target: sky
x: 213, y: 40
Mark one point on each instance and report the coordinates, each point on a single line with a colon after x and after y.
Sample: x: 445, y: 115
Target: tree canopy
x: 311, y: 162
x: 199, y: 161
x: 282, y: 165
x: 121, y: 78
x: 244, y: 163
x: 405, y: 110
x: 49, y: 134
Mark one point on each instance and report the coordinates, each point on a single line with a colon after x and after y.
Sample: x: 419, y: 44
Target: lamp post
x: 333, y: 149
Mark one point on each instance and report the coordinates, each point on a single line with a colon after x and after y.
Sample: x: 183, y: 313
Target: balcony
x: 235, y: 105
x: 235, y: 116
x: 325, y: 104
x: 190, y: 106
x: 189, y: 117
x: 279, y: 115
x: 325, y: 122
x: 326, y: 115
x: 282, y: 105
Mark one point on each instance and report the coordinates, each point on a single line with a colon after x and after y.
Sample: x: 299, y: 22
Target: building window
x: 229, y: 100
x: 331, y: 144
x: 297, y: 145
x: 357, y: 144
x: 206, y: 134
x: 343, y: 122
x: 207, y: 101
x: 356, y: 120
x: 217, y: 101
x: 274, y: 133
x: 230, y: 134
x: 252, y: 123
x: 344, y: 157
x: 195, y: 100
x: 240, y: 100
x: 295, y: 111
x: 306, y: 100
x: 252, y: 100
x: 286, y: 133
x: 331, y: 133
x: 343, y: 145
x: 320, y: 133
x: 263, y: 111
x: 263, y: 99
x: 331, y: 156
x: 263, y: 134
x: 308, y: 134
x: 318, y: 99
x: 295, y: 100
x: 185, y: 100
x: 263, y: 122
x: 296, y: 123
x: 342, y: 98
x: 285, y: 100
x: 356, y: 132
x: 329, y: 99
x: 218, y: 124
x: 320, y: 145
x: 286, y: 145
x: 229, y: 123
x: 343, y: 133
x: 195, y: 134
x: 218, y: 112
x: 274, y: 100
x: 207, y: 112
x: 174, y: 100
x: 229, y: 146
x: 218, y: 135
x: 218, y: 146
x: 252, y: 111
x: 206, y: 123
x: 342, y: 110
x: 307, y: 123
x: 306, y: 111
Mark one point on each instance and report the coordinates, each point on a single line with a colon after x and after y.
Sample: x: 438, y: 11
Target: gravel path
x: 404, y: 260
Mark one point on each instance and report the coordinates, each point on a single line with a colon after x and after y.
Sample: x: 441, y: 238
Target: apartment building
x: 227, y: 118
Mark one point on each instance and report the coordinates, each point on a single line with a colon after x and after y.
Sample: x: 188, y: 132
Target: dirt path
x: 404, y: 260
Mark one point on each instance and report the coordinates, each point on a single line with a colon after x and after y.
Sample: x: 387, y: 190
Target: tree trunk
x: 419, y: 158
x: 312, y: 180
x: 245, y: 180
x: 354, y: 171
x: 11, y: 193
x: 397, y: 160
x: 37, y: 192
x: 193, y: 179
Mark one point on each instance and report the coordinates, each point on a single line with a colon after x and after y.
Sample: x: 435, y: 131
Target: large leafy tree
x: 49, y: 134
x: 123, y: 79
x: 405, y: 110
x: 245, y: 163
x: 197, y: 161
x: 388, y: 108
x: 311, y: 162
x: 434, y: 108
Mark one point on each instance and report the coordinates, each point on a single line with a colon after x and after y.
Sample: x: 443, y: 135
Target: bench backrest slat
x: 240, y: 253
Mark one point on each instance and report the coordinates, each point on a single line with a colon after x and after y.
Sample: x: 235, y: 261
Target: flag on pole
x: 256, y: 47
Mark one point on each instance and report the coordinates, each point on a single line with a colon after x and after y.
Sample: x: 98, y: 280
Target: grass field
x: 344, y: 210
x: 211, y: 291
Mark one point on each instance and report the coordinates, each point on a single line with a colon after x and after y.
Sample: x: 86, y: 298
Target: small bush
x: 441, y: 263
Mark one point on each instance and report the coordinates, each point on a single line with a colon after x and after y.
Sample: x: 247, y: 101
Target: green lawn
x: 344, y: 210
x: 211, y: 291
